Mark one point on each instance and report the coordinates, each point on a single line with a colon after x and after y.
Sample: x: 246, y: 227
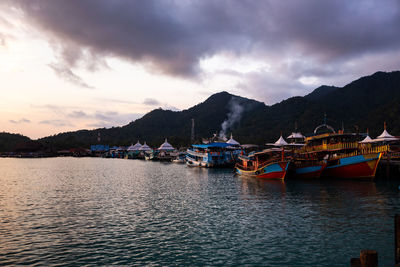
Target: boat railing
x: 260, y: 164
x: 248, y: 168
x: 347, y: 145
x: 206, y: 153
x: 372, y: 150
x: 377, y: 149
x: 197, y: 154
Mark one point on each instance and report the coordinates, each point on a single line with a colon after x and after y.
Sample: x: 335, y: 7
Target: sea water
x: 94, y: 211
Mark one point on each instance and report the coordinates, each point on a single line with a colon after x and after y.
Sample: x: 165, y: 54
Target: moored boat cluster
x: 329, y: 154
x: 322, y: 154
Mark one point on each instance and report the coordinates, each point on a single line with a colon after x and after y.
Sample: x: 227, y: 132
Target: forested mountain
x: 9, y: 142
x: 365, y: 103
x: 158, y: 124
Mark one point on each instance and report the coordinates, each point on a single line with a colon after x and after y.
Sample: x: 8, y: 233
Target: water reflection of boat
x: 268, y: 164
x: 264, y: 188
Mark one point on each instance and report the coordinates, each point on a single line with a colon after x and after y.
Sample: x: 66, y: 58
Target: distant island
x: 363, y: 103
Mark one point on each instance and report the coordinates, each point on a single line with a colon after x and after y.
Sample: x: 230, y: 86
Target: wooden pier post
x: 397, y: 239
x: 369, y: 258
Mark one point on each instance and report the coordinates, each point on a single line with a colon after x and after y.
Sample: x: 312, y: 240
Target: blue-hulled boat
x: 217, y: 154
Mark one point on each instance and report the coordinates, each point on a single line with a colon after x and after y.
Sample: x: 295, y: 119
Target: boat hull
x: 354, y: 167
x: 192, y: 163
x: 309, y: 172
x: 275, y: 170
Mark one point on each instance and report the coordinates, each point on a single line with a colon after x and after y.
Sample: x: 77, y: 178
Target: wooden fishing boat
x: 267, y: 164
x: 343, y: 154
x: 212, y: 155
x: 357, y: 166
x: 307, y: 169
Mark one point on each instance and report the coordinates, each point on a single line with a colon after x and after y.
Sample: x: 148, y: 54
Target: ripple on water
x: 94, y: 211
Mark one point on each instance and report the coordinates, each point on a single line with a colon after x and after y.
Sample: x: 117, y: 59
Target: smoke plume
x: 234, y: 115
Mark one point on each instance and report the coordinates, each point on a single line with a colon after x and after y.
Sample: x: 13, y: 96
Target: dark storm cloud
x: 173, y: 35
x: 301, y: 38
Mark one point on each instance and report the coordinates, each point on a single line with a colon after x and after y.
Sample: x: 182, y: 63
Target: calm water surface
x: 97, y: 211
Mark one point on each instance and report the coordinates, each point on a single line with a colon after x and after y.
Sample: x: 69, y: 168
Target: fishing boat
x: 343, y: 154
x: 306, y: 169
x: 180, y: 158
x: 300, y: 167
x: 268, y: 164
x: 216, y: 154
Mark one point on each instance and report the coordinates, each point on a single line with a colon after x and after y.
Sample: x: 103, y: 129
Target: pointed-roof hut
x: 145, y: 147
x: 279, y: 142
x: 297, y: 135
x: 367, y: 140
x: 233, y: 142
x: 135, y: 147
x: 385, y: 136
x: 166, y: 146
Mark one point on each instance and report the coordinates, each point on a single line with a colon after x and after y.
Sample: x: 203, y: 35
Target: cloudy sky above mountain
x: 67, y: 65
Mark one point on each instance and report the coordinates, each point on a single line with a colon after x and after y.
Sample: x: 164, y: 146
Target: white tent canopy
x: 366, y: 140
x: 166, y: 146
x: 135, y: 147
x: 145, y: 147
x: 296, y: 136
x: 279, y: 142
x: 385, y: 136
x: 232, y: 141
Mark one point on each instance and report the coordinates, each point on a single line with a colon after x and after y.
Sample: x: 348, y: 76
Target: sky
x: 67, y: 64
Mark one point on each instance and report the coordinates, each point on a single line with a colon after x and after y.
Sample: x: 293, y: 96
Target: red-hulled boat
x: 307, y: 169
x: 267, y: 164
x: 345, y: 157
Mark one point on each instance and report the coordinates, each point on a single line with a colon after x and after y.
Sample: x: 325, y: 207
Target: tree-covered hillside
x: 364, y: 103
x: 8, y: 141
